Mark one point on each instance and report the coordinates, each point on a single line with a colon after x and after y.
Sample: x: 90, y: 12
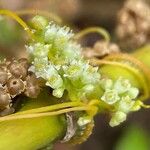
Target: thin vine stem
x: 19, y: 20
x: 89, y: 30
x: 45, y: 114
x: 90, y: 108
x: 47, y: 14
x: 145, y: 106
x: 51, y: 108
x: 131, y: 69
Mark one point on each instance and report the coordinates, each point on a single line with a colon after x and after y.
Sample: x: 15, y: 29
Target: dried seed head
x: 13, y: 76
x: 32, y: 86
x: 4, y: 99
x: 100, y: 49
x: 3, y: 76
x: 18, y: 69
x: 133, y: 28
x: 24, y: 62
x: 15, y: 86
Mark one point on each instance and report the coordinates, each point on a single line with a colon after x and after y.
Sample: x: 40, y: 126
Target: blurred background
x: 127, y: 21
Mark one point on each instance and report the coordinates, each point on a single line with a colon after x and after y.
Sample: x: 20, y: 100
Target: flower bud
x: 39, y: 22
x: 117, y: 118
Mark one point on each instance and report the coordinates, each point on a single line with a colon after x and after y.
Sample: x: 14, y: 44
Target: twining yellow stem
x: 47, y: 14
x: 90, y: 108
x: 127, y: 67
x: 51, y: 108
x: 145, y: 106
x: 37, y: 115
x: 18, y: 19
x: 89, y: 30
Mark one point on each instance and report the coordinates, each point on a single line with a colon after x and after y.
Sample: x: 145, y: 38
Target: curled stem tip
x: 47, y: 14
x: 18, y: 19
x: 89, y: 30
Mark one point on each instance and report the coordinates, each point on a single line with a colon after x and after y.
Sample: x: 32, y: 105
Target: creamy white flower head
x: 39, y: 49
x: 110, y: 96
x: 125, y: 104
x: 54, y: 32
x: 58, y: 92
x: 122, y: 85
x: 122, y: 96
x: 57, y: 58
x: 72, y: 51
x: 54, y: 81
x: 82, y: 121
x: 133, y: 92
x: 106, y: 83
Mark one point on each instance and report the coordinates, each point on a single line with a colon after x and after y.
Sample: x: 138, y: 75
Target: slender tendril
x: 47, y: 14
x: 98, y: 30
x: 19, y: 20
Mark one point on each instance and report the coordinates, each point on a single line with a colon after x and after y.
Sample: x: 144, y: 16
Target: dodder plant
x: 80, y: 88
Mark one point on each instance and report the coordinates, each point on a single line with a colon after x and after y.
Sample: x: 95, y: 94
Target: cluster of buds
x: 100, y: 49
x: 134, y: 23
x: 15, y: 80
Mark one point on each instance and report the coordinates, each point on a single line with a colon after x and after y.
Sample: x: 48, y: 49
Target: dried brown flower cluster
x: 15, y: 80
x: 100, y: 49
x: 133, y: 27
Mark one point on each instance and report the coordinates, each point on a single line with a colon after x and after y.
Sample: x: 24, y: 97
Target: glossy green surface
x: 31, y: 134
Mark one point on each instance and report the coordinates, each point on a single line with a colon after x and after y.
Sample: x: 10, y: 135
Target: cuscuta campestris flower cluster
x: 57, y: 58
x: 121, y: 95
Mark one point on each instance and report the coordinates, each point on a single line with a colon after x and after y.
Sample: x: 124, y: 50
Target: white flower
x: 58, y: 92
x: 82, y: 121
x: 133, y: 92
x: 122, y: 85
x: 54, y: 32
x: 125, y: 104
x: 106, y: 84
x: 110, y: 96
